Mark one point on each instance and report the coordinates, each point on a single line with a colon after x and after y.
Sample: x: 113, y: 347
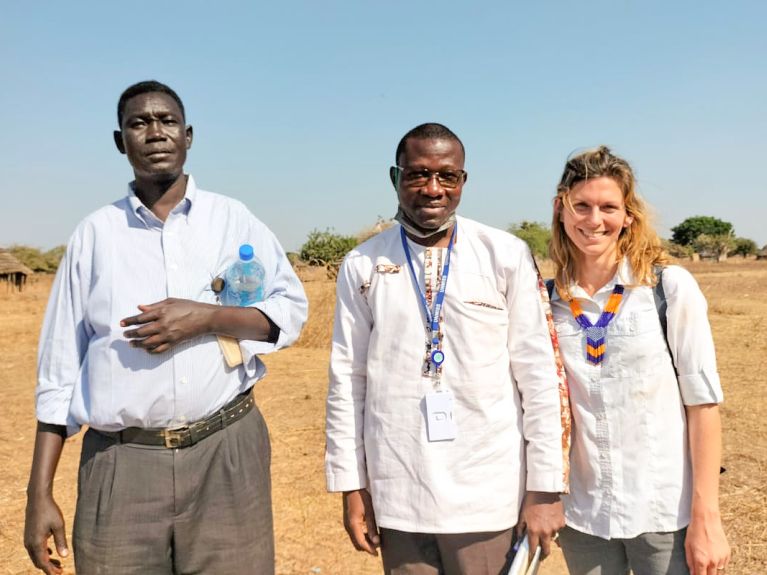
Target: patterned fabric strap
x: 564, y: 391
x: 595, y: 333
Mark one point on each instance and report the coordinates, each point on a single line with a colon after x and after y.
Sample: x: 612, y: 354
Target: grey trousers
x: 646, y: 554
x: 446, y: 554
x: 200, y: 509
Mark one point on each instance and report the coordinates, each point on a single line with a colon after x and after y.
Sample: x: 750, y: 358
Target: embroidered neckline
x: 596, y: 333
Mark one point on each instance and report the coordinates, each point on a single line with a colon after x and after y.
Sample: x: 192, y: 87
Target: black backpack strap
x: 660, y: 300
x: 550, y: 287
x: 661, y: 304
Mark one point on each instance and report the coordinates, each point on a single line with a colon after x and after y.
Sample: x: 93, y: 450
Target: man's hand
x: 167, y: 323
x: 706, y: 546
x: 43, y: 516
x: 543, y: 516
x: 360, y: 521
x: 43, y: 519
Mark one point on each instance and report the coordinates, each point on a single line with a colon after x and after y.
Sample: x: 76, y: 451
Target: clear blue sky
x: 298, y: 106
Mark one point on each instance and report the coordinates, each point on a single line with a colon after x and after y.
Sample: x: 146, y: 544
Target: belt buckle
x: 173, y: 437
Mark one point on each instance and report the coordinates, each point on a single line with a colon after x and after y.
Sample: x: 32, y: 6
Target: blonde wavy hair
x: 638, y: 242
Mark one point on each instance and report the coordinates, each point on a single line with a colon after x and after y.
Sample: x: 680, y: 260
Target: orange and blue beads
x: 595, y: 333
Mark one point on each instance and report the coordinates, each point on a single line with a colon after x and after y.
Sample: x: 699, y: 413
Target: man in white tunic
x: 446, y: 417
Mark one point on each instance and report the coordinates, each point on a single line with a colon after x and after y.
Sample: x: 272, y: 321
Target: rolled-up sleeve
x: 690, y: 339
x: 63, y: 341
x: 284, y: 299
x: 534, y: 368
x: 345, y: 467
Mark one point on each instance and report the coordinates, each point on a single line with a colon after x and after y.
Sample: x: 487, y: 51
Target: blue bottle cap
x: 246, y: 252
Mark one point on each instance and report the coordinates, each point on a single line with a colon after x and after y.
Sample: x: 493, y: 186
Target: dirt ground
x: 309, y: 535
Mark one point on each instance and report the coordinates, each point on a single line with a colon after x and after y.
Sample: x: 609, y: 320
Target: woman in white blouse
x: 646, y: 448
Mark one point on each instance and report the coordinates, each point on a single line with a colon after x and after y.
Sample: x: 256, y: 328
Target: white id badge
x: 439, y: 416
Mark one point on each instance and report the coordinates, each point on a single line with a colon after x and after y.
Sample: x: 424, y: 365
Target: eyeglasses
x: 419, y: 178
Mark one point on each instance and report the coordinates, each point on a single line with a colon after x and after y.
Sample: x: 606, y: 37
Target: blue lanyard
x: 432, y: 316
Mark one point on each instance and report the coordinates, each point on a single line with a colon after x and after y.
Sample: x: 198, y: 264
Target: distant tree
x: 535, y: 234
x: 54, y: 256
x: 688, y: 231
x: 30, y: 257
x: 745, y: 247
x: 719, y: 245
x: 37, y: 260
x: 676, y: 250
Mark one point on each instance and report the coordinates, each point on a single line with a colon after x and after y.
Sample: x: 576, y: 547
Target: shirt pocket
x: 634, y: 341
x: 572, y: 341
x: 567, y: 327
x: 388, y: 287
x: 477, y: 299
x: 476, y: 310
x: 204, y: 265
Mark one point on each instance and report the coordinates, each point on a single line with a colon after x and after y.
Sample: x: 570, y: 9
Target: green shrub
x: 37, y: 260
x: 745, y: 247
x: 678, y: 250
x: 535, y: 234
x: 326, y: 248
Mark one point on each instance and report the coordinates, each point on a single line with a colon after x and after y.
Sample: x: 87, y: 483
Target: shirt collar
x: 144, y: 214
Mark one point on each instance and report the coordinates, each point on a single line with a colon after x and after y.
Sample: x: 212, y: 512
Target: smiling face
x: 593, y: 216
x: 154, y: 137
x: 429, y: 203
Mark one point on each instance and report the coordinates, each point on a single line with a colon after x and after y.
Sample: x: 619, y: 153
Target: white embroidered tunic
x: 499, y: 365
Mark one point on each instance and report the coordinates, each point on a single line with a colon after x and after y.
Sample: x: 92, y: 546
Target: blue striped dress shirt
x: 121, y: 256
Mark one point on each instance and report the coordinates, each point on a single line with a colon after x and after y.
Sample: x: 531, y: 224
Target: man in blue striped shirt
x: 174, y: 472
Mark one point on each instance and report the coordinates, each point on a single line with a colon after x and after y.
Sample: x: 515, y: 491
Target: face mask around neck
x: 416, y: 231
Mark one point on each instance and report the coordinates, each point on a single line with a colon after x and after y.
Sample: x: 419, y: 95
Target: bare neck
x: 594, y: 273
x: 161, y: 196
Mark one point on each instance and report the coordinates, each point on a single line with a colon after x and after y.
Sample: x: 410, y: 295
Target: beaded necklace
x: 595, y: 334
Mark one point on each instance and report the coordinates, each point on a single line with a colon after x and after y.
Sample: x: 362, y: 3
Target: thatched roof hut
x: 12, y: 271
x: 762, y: 254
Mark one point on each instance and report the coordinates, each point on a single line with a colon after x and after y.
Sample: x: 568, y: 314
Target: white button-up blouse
x: 630, y: 461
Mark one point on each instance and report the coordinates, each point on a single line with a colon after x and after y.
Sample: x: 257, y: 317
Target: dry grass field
x: 310, y: 538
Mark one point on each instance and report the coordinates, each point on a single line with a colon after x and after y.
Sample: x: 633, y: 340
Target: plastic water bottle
x: 244, y: 280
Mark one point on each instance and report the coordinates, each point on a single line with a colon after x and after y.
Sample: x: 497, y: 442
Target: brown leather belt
x: 174, y: 438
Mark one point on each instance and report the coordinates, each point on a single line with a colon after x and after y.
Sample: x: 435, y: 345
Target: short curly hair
x: 428, y: 131
x: 146, y: 87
